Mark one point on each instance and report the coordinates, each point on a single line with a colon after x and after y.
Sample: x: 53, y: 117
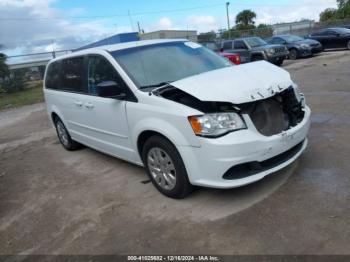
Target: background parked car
x: 297, y: 46
x: 233, y: 57
x: 333, y: 37
x: 254, y: 49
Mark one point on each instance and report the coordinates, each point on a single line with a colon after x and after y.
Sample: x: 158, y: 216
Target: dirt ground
x: 57, y: 202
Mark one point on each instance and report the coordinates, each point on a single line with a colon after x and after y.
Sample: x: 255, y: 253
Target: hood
x: 306, y: 41
x: 237, y: 84
x: 264, y: 47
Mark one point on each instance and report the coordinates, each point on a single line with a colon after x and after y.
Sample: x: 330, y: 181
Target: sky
x: 28, y: 26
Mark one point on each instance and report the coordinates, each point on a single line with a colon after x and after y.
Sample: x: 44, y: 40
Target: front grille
x: 252, y: 168
x: 280, y: 50
x: 273, y: 115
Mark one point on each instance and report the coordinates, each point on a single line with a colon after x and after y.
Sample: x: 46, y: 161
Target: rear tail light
x: 236, y: 59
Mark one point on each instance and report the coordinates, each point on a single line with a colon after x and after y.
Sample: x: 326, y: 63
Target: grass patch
x: 26, y: 97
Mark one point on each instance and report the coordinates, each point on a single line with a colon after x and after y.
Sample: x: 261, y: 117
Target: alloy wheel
x: 162, y: 168
x: 62, y: 133
x: 293, y: 54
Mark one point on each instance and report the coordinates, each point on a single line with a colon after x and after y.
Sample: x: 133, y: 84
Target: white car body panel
x: 113, y: 127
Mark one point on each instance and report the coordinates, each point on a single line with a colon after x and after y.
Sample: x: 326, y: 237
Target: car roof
x: 283, y: 35
x: 249, y: 37
x: 119, y: 46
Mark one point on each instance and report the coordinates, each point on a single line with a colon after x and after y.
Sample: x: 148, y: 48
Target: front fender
x: 176, y: 132
x: 178, y: 136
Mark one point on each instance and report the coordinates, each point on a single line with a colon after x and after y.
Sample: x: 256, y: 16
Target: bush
x: 13, y: 83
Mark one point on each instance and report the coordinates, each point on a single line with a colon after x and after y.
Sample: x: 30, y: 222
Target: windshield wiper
x: 155, y: 85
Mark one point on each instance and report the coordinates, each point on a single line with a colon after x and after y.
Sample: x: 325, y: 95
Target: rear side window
x: 321, y: 33
x: 227, y: 45
x: 240, y: 45
x: 53, y: 76
x: 72, y: 75
x: 101, y: 70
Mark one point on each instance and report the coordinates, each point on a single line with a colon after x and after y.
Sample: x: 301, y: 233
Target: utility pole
x: 228, y: 20
x: 53, y: 49
x: 139, y: 28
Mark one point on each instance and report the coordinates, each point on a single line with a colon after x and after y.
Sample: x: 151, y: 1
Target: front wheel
x: 279, y: 62
x: 64, y: 137
x: 293, y: 54
x: 165, y: 167
x: 348, y: 45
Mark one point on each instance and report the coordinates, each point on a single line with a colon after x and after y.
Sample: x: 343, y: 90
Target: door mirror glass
x: 110, y: 89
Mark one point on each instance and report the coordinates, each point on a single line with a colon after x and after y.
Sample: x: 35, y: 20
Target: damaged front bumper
x: 209, y: 164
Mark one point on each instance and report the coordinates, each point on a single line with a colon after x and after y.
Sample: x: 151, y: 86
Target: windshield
x: 292, y: 38
x: 255, y: 41
x: 158, y: 64
x: 341, y: 30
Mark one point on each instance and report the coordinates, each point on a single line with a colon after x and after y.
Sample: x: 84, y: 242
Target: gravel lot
x: 84, y: 202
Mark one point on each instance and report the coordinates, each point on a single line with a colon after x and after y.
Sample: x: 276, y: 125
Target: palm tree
x: 245, y: 18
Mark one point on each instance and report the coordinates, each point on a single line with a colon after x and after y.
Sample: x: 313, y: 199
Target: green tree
x: 344, y: 9
x: 245, y: 18
x: 328, y: 14
x: 208, y: 36
x: 4, y: 70
x: 342, y: 12
x: 264, y: 30
x: 15, y: 81
x: 342, y: 3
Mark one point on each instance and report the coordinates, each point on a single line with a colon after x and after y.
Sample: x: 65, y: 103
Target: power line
x: 108, y: 16
x: 152, y: 12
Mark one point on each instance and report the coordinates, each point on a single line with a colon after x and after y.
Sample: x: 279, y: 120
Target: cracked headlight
x: 217, y: 124
x: 299, y: 96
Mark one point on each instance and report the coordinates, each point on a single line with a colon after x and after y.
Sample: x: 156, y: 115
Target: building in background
x: 171, y: 34
x: 298, y: 28
x: 115, y: 39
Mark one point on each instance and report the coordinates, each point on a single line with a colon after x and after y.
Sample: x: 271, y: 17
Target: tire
x: 348, y: 45
x: 279, y: 63
x: 293, y: 54
x: 159, y: 155
x: 64, y: 137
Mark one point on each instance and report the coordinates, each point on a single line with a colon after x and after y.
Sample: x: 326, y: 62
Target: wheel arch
x: 176, y: 134
x: 258, y: 54
x: 55, y: 113
x: 144, y: 136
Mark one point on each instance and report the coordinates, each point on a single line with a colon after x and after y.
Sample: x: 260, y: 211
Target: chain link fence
x: 302, y: 28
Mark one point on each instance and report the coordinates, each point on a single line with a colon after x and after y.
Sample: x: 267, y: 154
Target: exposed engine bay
x: 270, y: 116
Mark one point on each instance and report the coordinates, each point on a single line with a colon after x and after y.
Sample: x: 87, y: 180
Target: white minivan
x: 188, y: 115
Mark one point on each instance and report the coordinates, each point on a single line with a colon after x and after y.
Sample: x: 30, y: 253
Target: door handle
x: 78, y: 103
x: 89, y: 105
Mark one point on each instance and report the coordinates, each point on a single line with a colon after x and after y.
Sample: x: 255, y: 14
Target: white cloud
x: 165, y: 23
x: 302, y: 9
x: 202, y: 23
x: 37, y: 35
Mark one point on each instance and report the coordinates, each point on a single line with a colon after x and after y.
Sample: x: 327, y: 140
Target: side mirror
x: 110, y: 89
x: 221, y: 49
